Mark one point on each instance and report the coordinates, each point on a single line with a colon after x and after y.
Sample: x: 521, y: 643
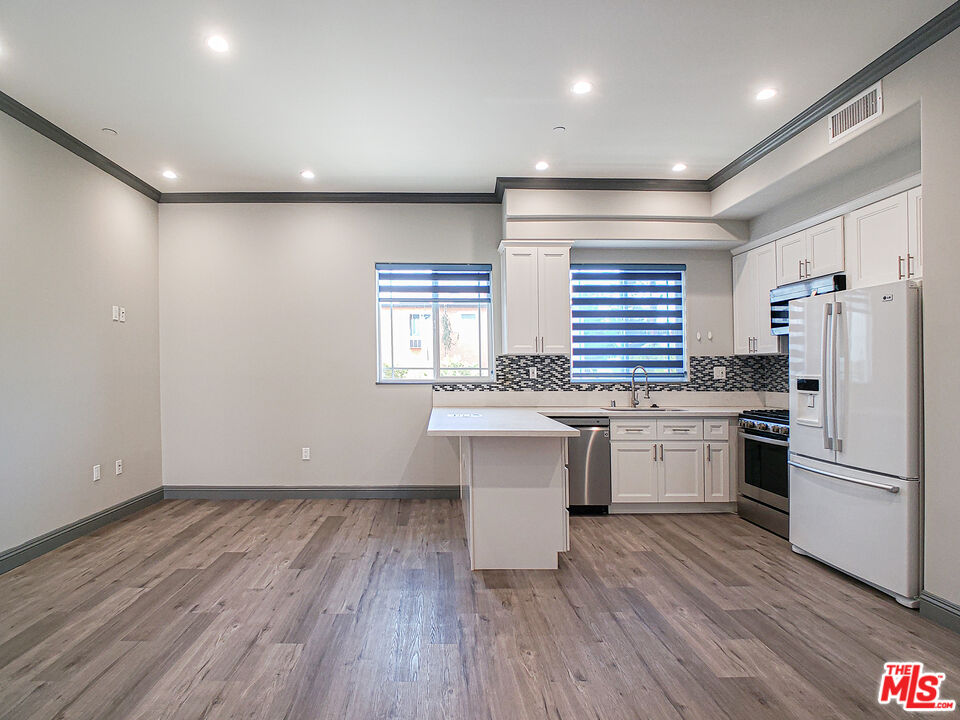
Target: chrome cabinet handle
x: 661, y: 452
x: 857, y: 481
x: 709, y: 459
x: 910, y: 258
x: 899, y: 267
x: 654, y: 452
x: 806, y: 268
x: 543, y: 344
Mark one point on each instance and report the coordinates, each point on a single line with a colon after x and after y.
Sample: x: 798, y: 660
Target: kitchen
x: 343, y: 380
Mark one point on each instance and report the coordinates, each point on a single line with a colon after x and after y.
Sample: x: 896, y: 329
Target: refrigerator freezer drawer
x: 863, y: 524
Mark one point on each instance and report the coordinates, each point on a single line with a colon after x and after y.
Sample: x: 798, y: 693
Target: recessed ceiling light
x: 679, y: 167
x: 542, y: 165
x: 307, y: 174
x: 218, y: 43
x: 766, y: 94
x: 169, y: 174
x: 581, y: 87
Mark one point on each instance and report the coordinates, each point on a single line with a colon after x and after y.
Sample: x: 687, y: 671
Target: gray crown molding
x: 915, y: 43
x: 912, y: 45
x: 34, y: 121
x: 330, y: 197
x: 31, y: 549
x: 555, y: 183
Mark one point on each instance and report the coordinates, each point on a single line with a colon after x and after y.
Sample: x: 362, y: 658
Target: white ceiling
x: 431, y: 95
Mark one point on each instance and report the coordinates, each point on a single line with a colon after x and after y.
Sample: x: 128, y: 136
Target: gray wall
x: 709, y: 286
x: 76, y: 389
x: 268, y: 330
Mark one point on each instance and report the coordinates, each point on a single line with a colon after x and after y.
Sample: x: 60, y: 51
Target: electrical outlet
x: 119, y: 467
x: 123, y: 314
x: 719, y: 372
x: 304, y: 453
x: 532, y: 373
x: 96, y: 473
x: 116, y: 313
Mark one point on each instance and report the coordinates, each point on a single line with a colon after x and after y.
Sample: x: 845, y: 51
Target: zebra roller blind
x: 625, y: 315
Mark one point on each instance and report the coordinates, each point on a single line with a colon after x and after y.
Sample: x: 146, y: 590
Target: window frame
x: 435, y: 311
x: 652, y: 267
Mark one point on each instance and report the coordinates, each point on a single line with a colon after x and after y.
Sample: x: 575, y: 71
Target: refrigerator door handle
x: 834, y: 388
x: 826, y: 360
x: 857, y: 481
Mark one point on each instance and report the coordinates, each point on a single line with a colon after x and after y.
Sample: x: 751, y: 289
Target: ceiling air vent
x: 862, y: 109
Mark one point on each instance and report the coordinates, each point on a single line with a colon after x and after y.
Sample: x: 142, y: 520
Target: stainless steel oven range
x: 763, y: 495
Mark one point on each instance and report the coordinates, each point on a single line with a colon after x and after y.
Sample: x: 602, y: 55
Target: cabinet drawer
x: 716, y: 429
x: 677, y: 429
x: 633, y: 429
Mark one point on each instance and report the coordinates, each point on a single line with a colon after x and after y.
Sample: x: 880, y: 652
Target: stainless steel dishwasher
x: 589, y: 464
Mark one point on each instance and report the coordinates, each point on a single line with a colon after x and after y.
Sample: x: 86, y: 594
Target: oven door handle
x: 768, y: 441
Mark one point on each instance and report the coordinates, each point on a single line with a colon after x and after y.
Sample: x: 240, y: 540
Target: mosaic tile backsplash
x: 767, y: 373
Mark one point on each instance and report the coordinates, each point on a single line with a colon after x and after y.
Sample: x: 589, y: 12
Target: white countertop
x: 534, y: 421
x: 495, y: 422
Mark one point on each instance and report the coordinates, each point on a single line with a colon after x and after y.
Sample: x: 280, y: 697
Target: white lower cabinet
x: 634, y: 471
x: 716, y: 472
x: 681, y: 472
x: 669, y: 470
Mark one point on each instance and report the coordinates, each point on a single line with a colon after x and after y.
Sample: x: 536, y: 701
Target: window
x: 627, y: 315
x: 434, y: 322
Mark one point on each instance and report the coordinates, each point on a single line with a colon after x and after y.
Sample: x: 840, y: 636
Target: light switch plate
x: 96, y: 473
x: 532, y: 373
x: 119, y: 467
x: 123, y: 314
x: 305, y: 453
x: 719, y: 372
x: 116, y: 313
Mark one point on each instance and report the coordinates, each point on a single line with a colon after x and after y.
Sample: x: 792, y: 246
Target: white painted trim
x: 658, y: 508
x: 908, y: 183
x: 507, y: 242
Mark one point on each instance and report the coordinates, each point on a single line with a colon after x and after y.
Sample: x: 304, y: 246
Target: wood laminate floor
x: 367, y: 609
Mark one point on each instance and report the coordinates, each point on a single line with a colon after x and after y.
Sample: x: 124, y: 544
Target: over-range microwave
x: 780, y: 298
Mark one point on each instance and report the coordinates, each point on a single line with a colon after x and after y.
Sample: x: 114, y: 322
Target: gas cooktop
x: 766, y: 421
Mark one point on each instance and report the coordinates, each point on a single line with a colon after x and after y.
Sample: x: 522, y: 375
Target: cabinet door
x: 825, y: 248
x: 716, y: 472
x: 877, y: 242
x: 766, y: 273
x: 554, y: 300
x: 681, y: 472
x: 634, y: 471
x: 744, y: 303
x: 791, y: 255
x: 521, y: 330
x: 915, y: 232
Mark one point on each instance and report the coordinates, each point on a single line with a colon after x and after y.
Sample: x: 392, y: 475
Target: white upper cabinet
x: 536, y: 299
x: 824, y: 248
x: 915, y: 232
x: 810, y: 253
x: 885, y: 240
x: 754, y: 276
x: 791, y: 254
x: 554, y: 300
x: 766, y: 258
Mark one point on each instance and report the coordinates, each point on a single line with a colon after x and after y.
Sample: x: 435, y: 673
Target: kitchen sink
x: 645, y: 409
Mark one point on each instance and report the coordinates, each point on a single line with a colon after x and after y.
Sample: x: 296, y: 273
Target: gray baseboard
x: 31, y: 549
x: 340, y: 492
x: 943, y: 612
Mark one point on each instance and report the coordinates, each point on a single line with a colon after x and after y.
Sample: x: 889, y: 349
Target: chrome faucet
x: 634, y: 402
